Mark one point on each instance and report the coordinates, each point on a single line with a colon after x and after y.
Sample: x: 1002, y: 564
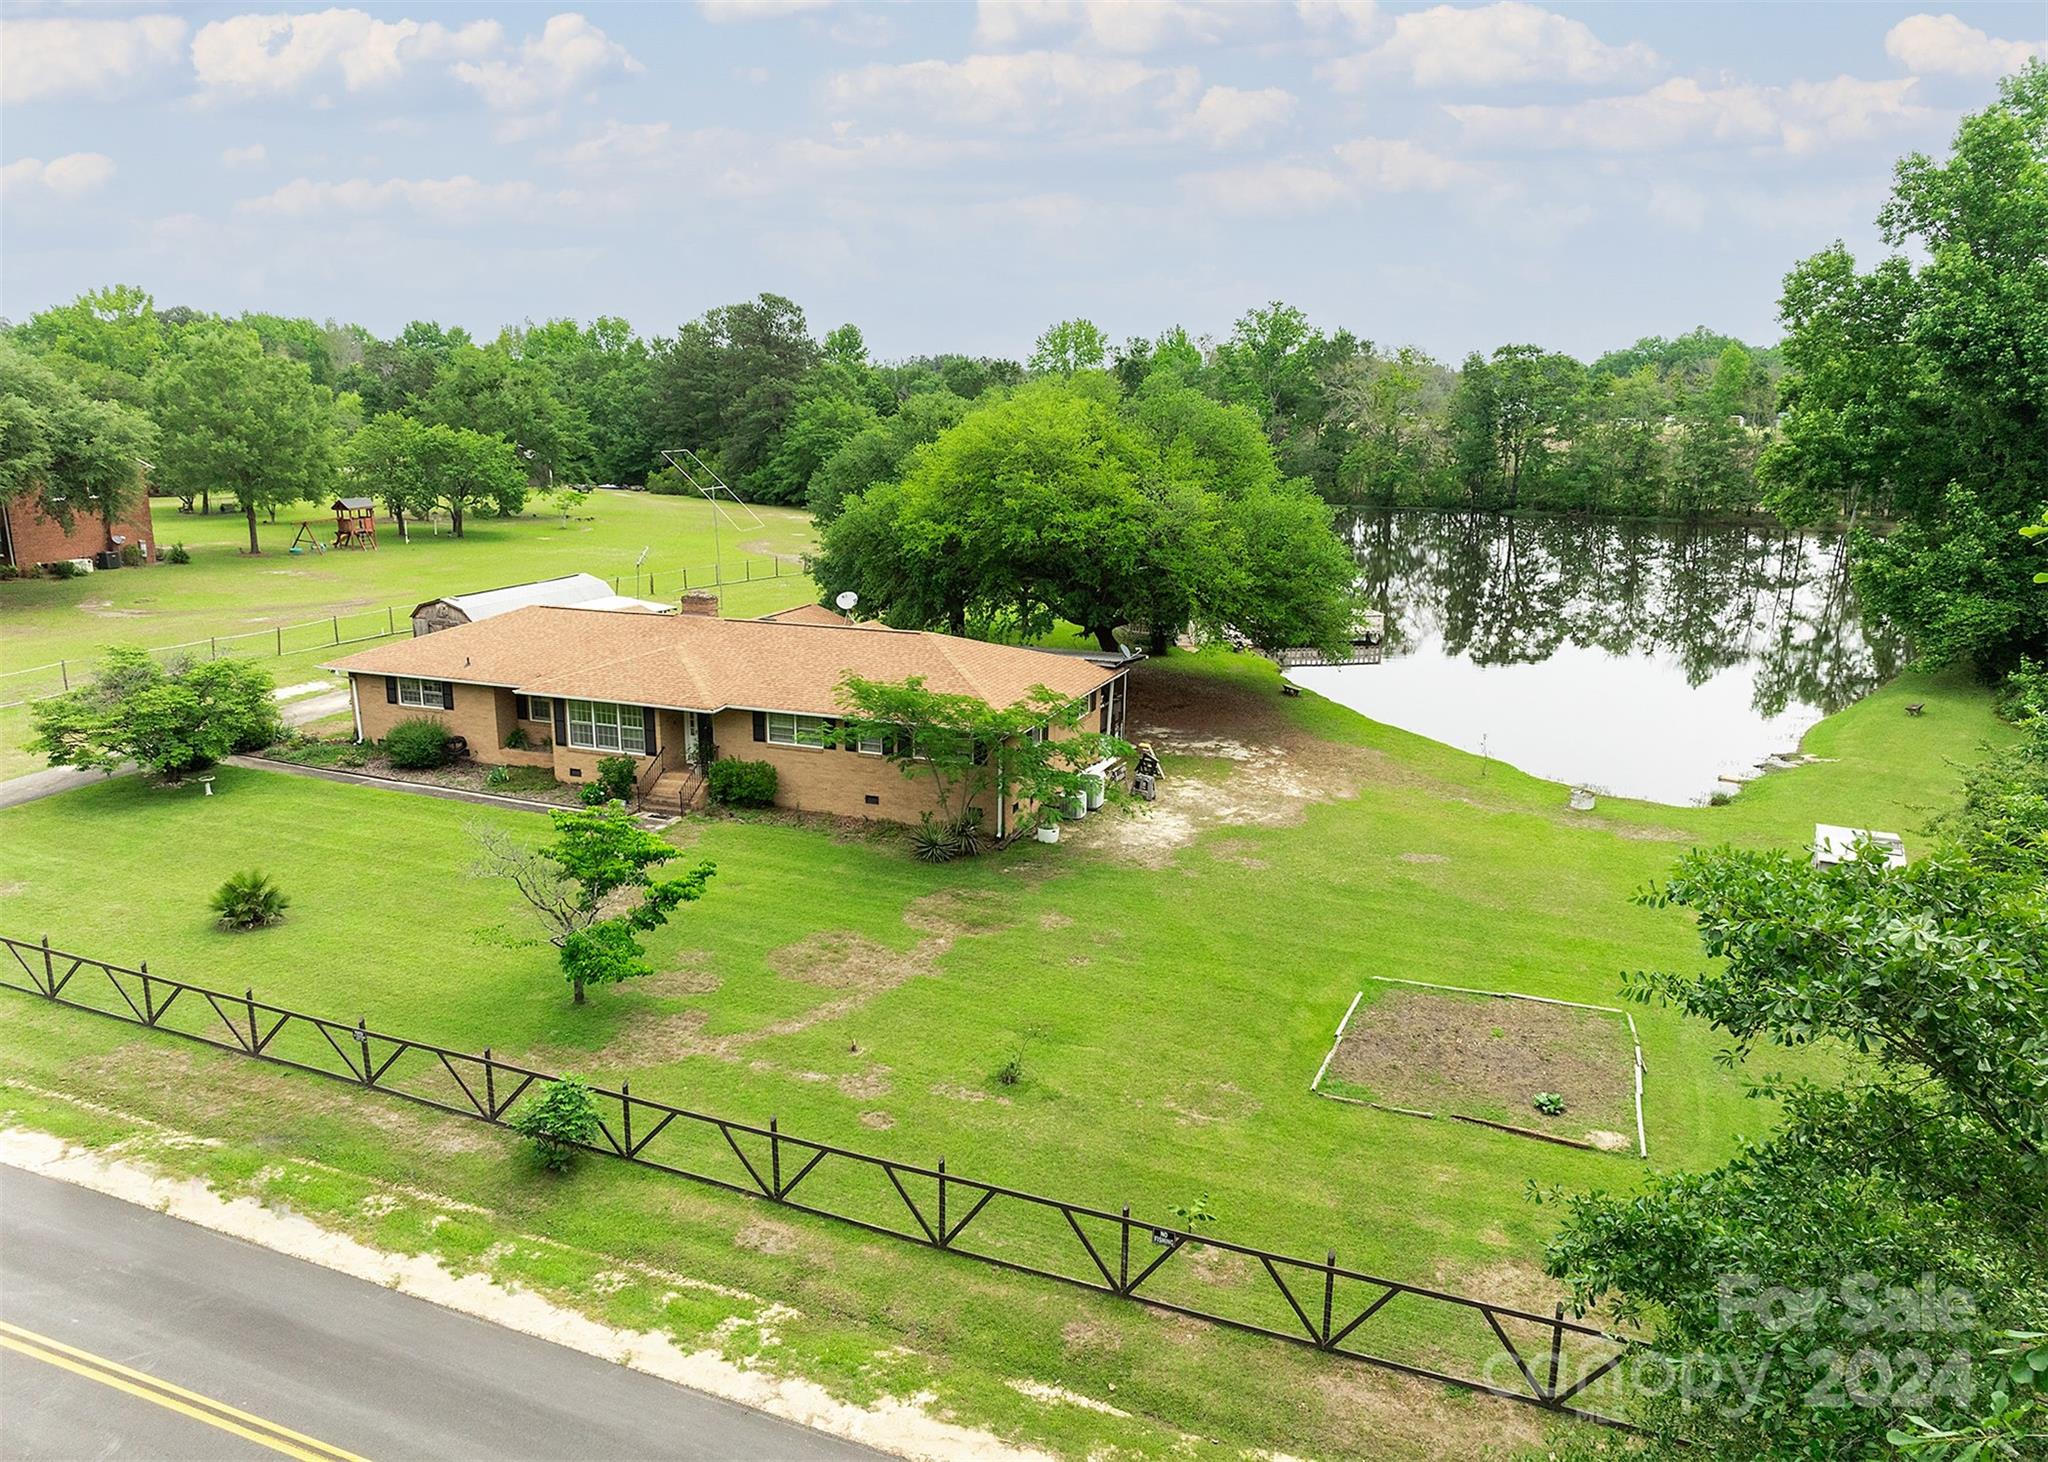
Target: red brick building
x: 28, y: 537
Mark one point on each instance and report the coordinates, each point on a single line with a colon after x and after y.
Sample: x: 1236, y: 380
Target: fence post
x: 1556, y: 1349
x: 390, y: 621
x: 49, y: 971
x: 626, y: 1113
x: 748, y: 565
x: 1329, y: 1294
x: 363, y: 1041
x: 335, y: 621
x: 249, y: 999
x: 280, y: 639
x: 490, y: 1087
x: 64, y: 671
x: 650, y: 586
x: 775, y: 1157
x: 942, y: 1203
x: 686, y: 581
x: 1123, y: 1267
x: 213, y: 647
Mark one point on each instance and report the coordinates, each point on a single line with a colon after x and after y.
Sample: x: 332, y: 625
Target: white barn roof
x: 554, y: 593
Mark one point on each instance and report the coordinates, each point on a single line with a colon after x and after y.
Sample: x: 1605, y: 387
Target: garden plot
x: 1541, y: 1068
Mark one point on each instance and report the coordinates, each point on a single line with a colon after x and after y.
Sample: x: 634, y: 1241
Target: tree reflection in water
x: 1500, y: 590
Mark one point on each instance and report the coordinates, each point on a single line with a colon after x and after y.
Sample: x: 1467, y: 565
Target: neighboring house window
x: 602, y: 726
x: 871, y: 746
x: 535, y: 708
x: 426, y: 693
x: 785, y: 729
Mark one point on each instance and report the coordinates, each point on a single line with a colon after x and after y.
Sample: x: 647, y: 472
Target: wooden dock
x: 1368, y: 640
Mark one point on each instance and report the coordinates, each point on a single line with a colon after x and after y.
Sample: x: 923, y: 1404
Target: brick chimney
x: 698, y: 602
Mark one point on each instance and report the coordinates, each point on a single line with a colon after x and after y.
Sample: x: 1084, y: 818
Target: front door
x: 689, y: 738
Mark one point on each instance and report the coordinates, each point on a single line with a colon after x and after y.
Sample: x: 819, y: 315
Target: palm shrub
x: 559, y: 1122
x: 249, y: 901
x: 934, y: 841
x: 416, y: 744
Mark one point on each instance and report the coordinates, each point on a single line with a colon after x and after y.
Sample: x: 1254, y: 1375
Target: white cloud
x: 1396, y: 165
x: 70, y: 176
x: 1363, y: 166
x: 460, y: 199
x: 1027, y: 91
x: 277, y: 55
x: 721, y: 12
x: 1227, y: 117
x: 1943, y: 45
x: 569, y: 53
x: 1277, y: 189
x: 59, y: 56
x: 1130, y: 27
x: 254, y: 155
x: 1682, y: 112
x: 1360, y: 18
x: 1494, y: 45
x: 1678, y: 205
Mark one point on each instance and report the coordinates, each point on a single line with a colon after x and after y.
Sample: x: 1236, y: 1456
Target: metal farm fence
x: 1547, y: 1361
x: 40, y: 682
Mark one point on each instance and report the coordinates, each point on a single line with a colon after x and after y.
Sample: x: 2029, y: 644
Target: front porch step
x: 673, y: 793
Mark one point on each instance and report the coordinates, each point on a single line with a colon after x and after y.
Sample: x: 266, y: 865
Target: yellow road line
x: 170, y: 1396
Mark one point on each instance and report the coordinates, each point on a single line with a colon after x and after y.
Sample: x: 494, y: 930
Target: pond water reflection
x: 1641, y: 659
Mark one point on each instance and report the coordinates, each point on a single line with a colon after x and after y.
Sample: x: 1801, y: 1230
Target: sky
x: 956, y: 176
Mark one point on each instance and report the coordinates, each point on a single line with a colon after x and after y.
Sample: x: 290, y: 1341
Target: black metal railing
x: 1319, y: 1304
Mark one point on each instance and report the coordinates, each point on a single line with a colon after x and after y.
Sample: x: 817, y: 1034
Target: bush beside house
x: 742, y: 783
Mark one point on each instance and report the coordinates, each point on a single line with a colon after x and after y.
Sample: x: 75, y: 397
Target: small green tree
x: 386, y: 459
x: 169, y: 720
x: 593, y: 888
x: 563, y: 1120
x: 968, y: 749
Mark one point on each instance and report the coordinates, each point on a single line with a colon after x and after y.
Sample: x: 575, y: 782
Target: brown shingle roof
x: 696, y: 662
x: 808, y: 614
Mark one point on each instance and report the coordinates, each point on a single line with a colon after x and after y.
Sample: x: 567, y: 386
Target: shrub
x: 1549, y: 1103
x: 8, y: 571
x: 592, y: 795
x: 562, y: 1118
x: 615, y: 777
x: 172, y: 719
x: 416, y: 744
x: 248, y: 901
x: 178, y: 553
x: 132, y: 556
x: 1011, y: 1072
x: 935, y: 841
x: 516, y: 739
x: 63, y: 568
x: 497, y: 776
x: 743, y: 783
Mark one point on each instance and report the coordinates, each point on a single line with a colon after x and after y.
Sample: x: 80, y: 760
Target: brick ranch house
x: 676, y: 691
x: 30, y: 538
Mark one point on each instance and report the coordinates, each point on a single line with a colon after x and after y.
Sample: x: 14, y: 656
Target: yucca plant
x: 934, y: 841
x: 249, y: 901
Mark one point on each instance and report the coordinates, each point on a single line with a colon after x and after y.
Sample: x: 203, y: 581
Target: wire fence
x: 39, y: 682
x: 1547, y: 1361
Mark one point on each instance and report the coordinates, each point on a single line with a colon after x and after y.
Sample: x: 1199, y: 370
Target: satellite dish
x: 847, y: 599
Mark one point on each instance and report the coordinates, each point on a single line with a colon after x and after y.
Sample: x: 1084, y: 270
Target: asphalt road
x: 125, y: 1333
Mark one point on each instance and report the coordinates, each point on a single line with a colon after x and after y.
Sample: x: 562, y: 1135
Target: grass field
x: 1170, y: 985
x: 223, y: 592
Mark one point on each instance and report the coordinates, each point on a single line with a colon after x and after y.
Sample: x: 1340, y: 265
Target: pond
x: 1653, y: 660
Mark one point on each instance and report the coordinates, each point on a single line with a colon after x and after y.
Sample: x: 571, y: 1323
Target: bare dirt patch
x: 880, y: 1121
x: 840, y: 959
x: 1051, y: 919
x: 1439, y: 1052
x: 766, y: 1236
x: 1424, y: 858
x: 1270, y: 771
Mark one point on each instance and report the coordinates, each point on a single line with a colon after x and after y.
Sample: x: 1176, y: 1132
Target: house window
x: 602, y: 726
x: 871, y: 746
x: 423, y: 693
x: 536, y: 708
x: 787, y: 729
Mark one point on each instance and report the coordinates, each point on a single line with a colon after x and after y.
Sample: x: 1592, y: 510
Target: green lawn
x: 300, y: 604
x: 1169, y: 1019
